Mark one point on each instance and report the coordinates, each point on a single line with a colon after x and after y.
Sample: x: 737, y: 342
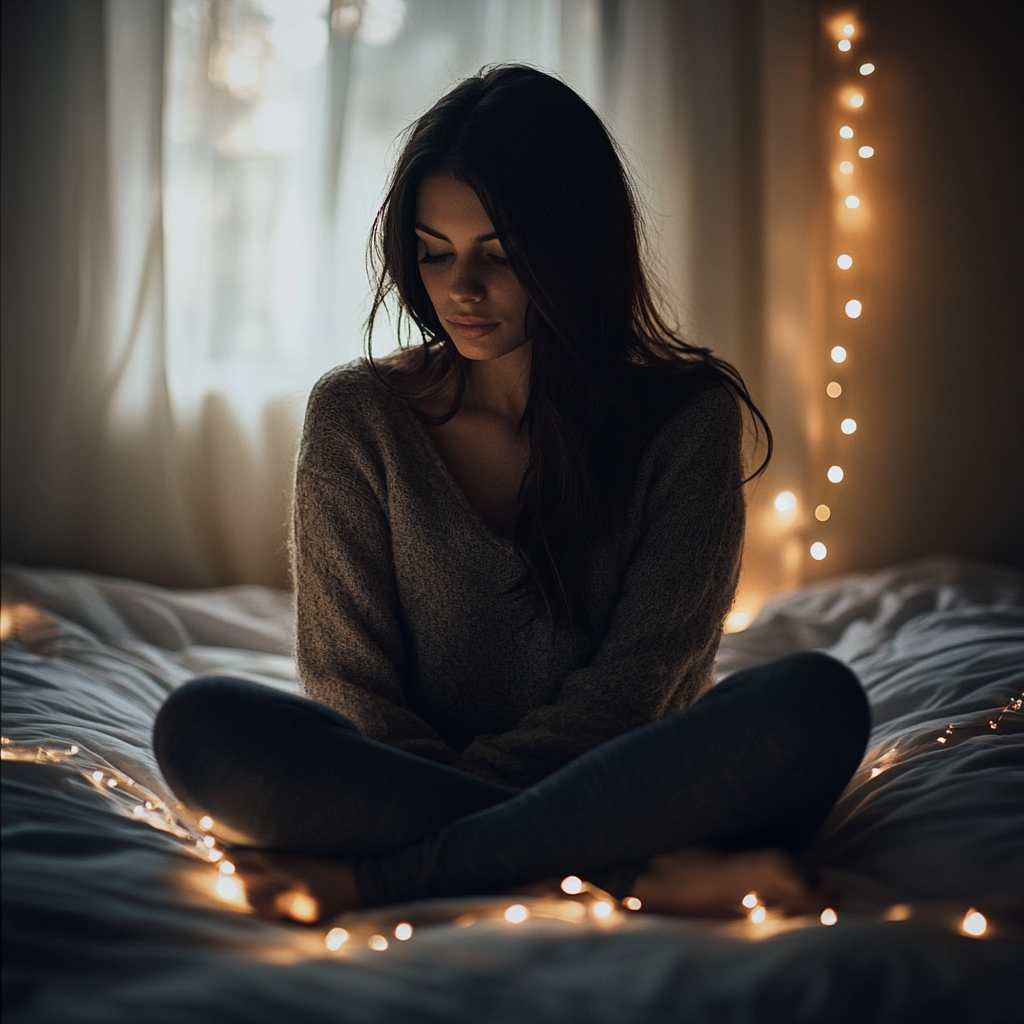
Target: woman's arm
x: 350, y: 644
x: 658, y: 654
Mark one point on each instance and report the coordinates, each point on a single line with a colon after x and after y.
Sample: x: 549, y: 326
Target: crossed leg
x: 757, y: 763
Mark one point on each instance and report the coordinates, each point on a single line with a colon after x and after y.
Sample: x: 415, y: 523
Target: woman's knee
x: 828, y: 680
x: 196, y: 705
x: 810, y: 690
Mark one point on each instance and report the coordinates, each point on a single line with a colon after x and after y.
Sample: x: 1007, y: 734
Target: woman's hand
x: 285, y: 885
x: 701, y: 882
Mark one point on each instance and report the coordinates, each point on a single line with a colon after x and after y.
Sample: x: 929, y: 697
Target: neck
x: 502, y: 385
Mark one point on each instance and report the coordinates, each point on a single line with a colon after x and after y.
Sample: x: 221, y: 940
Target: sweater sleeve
x: 350, y: 643
x: 657, y: 656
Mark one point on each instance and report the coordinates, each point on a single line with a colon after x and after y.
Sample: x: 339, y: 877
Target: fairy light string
x: 848, y: 150
x: 577, y: 901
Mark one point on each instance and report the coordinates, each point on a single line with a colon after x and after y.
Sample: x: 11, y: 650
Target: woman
x: 514, y: 546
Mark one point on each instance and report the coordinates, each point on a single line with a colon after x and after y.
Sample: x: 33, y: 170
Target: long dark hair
x: 548, y: 175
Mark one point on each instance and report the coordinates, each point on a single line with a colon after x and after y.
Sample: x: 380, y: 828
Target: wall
x: 937, y: 359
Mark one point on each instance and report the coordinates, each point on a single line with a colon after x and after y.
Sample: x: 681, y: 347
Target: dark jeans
x: 757, y: 762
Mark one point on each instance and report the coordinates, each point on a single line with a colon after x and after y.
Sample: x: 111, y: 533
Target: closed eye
x: 427, y: 257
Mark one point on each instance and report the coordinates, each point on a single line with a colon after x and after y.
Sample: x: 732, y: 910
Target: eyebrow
x: 444, y: 238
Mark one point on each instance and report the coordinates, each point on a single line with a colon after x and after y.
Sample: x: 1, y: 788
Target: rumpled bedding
x: 108, y: 918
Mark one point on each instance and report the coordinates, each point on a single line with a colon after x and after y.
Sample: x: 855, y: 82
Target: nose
x: 467, y: 283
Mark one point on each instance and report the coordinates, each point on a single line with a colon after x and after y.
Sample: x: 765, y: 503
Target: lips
x: 471, y: 326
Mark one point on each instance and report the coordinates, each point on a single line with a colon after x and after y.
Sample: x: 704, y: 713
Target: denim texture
x: 757, y: 762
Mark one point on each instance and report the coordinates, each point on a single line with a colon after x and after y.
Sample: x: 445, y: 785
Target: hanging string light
x: 853, y: 100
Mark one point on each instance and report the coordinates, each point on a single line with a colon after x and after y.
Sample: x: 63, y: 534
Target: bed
x: 117, y: 906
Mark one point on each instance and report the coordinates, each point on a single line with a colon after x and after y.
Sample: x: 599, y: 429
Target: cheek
x: 431, y: 284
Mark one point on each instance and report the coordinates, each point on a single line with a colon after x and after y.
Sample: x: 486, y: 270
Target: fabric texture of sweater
x: 404, y: 620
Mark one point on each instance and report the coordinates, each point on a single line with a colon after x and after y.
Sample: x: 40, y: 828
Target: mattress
x: 116, y: 909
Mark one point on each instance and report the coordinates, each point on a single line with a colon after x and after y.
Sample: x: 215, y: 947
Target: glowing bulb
x: 828, y: 916
x: 572, y: 885
x: 227, y: 888
x: 838, y: 354
x: 516, y: 914
x: 336, y: 938
x: 866, y: 152
x: 377, y: 942
x: 844, y: 45
x: 834, y: 389
x: 822, y: 512
x: 974, y: 923
x: 227, y: 868
x: 632, y: 903
x: 215, y: 855
x: 818, y: 551
x: 846, y: 132
x: 97, y: 776
x: 848, y: 29
x: 73, y: 749
x: 852, y: 202
x: 738, y: 620
x: 298, y: 905
x: 853, y: 308
x: 403, y: 931
x: 206, y: 823
x: 848, y: 426
x: 875, y: 772
x: 835, y: 474
x: 112, y: 783
x: 785, y: 501
x: 758, y: 914
x: 138, y: 811
x: 602, y: 908
x: 866, y: 69
x: 844, y: 262
x: 209, y: 842
x: 846, y: 167
x: 856, y: 100
x: 750, y: 900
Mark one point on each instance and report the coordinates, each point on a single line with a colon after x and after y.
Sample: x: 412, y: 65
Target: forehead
x: 451, y: 207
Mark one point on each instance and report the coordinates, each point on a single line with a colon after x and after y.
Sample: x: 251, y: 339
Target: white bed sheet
x: 110, y: 920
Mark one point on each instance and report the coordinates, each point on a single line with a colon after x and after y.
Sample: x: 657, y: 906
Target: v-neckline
x: 441, y: 467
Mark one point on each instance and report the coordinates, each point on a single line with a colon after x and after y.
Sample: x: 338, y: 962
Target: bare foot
x: 287, y: 885
x: 703, y: 882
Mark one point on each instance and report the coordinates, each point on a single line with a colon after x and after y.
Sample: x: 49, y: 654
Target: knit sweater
x: 404, y: 620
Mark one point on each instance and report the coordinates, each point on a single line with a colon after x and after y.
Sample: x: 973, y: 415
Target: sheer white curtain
x: 219, y: 163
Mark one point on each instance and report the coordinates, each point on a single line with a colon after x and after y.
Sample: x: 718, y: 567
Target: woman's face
x: 477, y: 298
